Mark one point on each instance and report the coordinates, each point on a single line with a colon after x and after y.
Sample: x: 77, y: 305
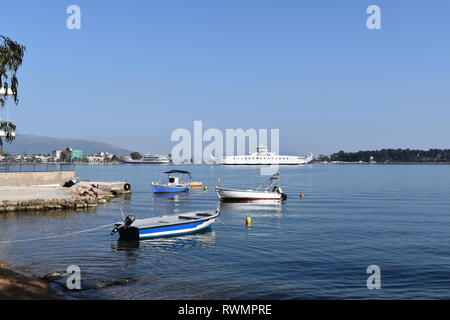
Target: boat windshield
x: 271, y: 182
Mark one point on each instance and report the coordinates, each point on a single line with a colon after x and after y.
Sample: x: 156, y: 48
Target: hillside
x: 32, y: 144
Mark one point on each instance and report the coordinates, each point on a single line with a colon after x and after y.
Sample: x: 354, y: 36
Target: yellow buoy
x: 248, y: 221
x: 205, y: 188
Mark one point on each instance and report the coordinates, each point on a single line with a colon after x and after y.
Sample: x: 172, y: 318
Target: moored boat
x: 195, y: 184
x: 173, y: 184
x: 164, y: 226
x: 270, y: 191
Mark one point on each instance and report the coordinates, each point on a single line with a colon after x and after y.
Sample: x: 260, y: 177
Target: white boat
x: 263, y: 157
x: 164, y: 226
x: 147, y: 159
x: 270, y: 191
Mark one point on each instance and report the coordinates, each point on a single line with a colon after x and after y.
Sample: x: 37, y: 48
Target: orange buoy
x: 302, y: 195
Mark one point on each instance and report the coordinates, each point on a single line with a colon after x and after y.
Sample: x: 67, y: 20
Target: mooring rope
x: 78, y: 232
x: 58, y: 235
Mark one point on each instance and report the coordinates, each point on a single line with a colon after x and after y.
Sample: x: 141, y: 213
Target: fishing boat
x: 271, y: 190
x: 164, y: 226
x: 173, y: 184
x: 195, y: 184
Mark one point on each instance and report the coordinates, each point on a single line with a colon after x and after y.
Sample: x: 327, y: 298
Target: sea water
x: 396, y: 217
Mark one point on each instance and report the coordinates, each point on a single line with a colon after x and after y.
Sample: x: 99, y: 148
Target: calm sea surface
x: 352, y: 216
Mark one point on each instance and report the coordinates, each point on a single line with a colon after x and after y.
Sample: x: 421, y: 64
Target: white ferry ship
x: 147, y: 159
x: 263, y: 157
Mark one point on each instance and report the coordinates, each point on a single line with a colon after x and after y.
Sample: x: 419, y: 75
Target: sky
x: 137, y: 70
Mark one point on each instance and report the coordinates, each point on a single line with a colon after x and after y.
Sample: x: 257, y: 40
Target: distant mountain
x: 31, y: 144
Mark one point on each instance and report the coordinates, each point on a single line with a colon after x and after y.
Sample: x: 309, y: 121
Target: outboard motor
x: 125, y: 224
x: 280, y: 191
x: 129, y: 220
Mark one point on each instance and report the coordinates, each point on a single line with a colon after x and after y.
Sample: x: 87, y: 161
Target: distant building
x: 66, y: 154
x: 76, y: 155
x: 105, y: 155
x: 57, y: 154
x: 95, y: 159
x: 39, y: 158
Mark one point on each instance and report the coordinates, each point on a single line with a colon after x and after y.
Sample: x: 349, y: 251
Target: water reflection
x: 202, y: 238
x: 125, y: 245
x: 275, y: 207
x: 124, y: 196
x: 171, y: 196
x: 60, y: 214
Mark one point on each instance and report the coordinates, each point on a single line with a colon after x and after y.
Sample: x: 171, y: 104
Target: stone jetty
x: 83, y: 194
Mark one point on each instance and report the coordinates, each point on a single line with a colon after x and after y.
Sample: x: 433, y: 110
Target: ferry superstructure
x: 263, y: 157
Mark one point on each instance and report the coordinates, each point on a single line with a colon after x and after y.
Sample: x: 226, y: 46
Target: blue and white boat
x: 164, y: 226
x: 173, y: 184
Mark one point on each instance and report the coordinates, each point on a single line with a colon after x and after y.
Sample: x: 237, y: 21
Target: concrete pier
x: 41, y: 198
x: 35, y: 178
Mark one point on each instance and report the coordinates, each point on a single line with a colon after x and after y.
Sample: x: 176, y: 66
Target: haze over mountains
x: 32, y: 144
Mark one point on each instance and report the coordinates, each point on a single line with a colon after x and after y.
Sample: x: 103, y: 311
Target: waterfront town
x: 66, y: 155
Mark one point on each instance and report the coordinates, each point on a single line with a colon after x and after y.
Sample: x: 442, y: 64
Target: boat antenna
x: 122, y: 214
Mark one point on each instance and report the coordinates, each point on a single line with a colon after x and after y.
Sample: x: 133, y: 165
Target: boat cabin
x: 173, y: 180
x: 173, y: 177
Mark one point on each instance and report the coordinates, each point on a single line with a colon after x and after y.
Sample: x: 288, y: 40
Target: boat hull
x: 246, y: 195
x: 151, y: 228
x: 161, y: 188
x: 177, y: 230
x: 197, y: 184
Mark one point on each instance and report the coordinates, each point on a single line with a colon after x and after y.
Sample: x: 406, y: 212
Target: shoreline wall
x: 35, y: 178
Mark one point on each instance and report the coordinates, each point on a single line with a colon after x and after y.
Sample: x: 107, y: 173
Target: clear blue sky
x: 139, y: 69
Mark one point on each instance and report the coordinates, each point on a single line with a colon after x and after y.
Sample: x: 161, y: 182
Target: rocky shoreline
x: 17, y: 286
x: 54, y: 197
